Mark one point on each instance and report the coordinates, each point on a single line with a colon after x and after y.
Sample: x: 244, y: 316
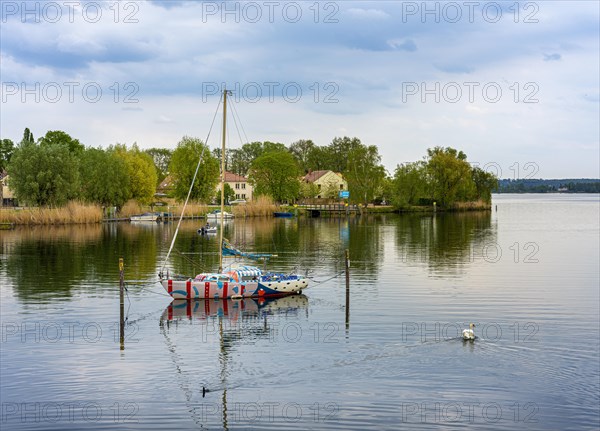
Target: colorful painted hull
x: 241, y: 282
x: 195, y: 289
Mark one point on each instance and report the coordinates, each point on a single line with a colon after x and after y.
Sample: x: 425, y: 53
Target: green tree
x: 275, y: 174
x: 337, y: 154
x: 183, y: 165
x: 240, y: 160
x: 43, y: 174
x: 364, y: 173
x: 484, y: 183
x: 104, y: 177
x: 161, y: 158
x: 229, y: 194
x: 58, y: 137
x: 27, y: 136
x: 140, y: 170
x: 409, y: 184
x: 301, y: 150
x: 318, y: 159
x: 308, y: 190
x: 449, y: 172
x: 6, y: 150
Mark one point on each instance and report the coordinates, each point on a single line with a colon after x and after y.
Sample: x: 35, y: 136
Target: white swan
x: 468, y: 334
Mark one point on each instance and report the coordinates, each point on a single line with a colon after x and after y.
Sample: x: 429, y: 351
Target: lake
x: 526, y: 273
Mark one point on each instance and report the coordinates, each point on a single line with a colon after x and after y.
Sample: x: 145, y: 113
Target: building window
x: 237, y: 186
x: 243, y: 195
x: 319, y: 187
x: 243, y: 185
x: 237, y: 195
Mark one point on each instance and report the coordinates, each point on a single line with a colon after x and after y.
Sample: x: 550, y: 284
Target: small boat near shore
x: 216, y: 215
x: 283, y: 214
x: 147, y: 217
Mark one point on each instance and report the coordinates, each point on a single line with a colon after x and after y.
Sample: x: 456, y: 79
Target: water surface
x: 526, y: 274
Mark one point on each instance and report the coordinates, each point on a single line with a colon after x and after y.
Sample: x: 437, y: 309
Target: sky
x: 515, y: 85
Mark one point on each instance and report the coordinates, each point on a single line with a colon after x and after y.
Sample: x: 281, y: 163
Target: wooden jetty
x: 331, y: 209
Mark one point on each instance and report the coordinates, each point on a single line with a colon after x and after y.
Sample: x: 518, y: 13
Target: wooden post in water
x: 347, y: 265
x: 122, y: 303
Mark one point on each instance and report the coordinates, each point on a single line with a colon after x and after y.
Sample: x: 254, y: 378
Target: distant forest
x: 578, y: 185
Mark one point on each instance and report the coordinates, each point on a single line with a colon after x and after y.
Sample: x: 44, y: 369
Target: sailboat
x: 241, y: 281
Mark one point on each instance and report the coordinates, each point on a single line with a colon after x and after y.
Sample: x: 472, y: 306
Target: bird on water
x: 469, y: 334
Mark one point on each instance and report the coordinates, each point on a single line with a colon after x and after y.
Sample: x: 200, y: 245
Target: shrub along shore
x: 83, y: 213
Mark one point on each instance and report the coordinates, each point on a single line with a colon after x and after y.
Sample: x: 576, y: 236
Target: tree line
x: 530, y: 185
x: 57, y: 168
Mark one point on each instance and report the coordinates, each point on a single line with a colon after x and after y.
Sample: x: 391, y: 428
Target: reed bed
x: 191, y: 210
x: 263, y: 206
x: 471, y: 206
x: 72, y: 213
x: 131, y: 207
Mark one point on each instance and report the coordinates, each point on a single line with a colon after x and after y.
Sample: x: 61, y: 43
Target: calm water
x: 527, y: 275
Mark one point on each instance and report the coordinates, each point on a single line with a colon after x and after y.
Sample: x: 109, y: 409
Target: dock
x: 330, y: 209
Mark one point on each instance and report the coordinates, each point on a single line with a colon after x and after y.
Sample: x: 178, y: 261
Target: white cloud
x: 171, y: 56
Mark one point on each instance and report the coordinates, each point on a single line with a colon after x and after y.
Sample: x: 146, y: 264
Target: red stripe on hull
x: 170, y: 287
x: 225, y: 287
x: 206, y: 289
x: 188, y: 289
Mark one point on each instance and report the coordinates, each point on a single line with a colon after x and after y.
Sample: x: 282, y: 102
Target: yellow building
x: 328, y: 183
x: 239, y: 184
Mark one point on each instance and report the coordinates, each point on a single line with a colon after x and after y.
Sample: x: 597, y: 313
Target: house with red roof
x: 328, y: 183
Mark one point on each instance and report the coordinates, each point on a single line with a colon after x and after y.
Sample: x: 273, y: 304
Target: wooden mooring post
x: 122, y: 303
x: 347, y: 265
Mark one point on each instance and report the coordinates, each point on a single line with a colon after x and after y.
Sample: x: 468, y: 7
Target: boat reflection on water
x: 234, y: 310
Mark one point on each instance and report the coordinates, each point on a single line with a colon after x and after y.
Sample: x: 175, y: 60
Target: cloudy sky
x: 515, y: 85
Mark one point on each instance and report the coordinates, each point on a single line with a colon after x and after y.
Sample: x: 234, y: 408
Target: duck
x: 469, y: 334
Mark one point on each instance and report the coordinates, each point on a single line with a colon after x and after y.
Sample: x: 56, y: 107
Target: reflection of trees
x: 298, y: 243
x: 322, y: 242
x: 48, y: 262
x: 444, y: 241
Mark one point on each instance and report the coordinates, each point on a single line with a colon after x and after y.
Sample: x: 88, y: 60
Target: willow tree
x: 104, y: 177
x: 183, y: 164
x: 364, y: 173
x: 43, y: 175
x: 449, y: 173
x: 140, y: 170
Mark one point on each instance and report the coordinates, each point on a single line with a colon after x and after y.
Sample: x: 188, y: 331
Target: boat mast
x: 223, y: 180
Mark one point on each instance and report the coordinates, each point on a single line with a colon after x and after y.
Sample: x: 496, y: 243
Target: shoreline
x: 77, y: 215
